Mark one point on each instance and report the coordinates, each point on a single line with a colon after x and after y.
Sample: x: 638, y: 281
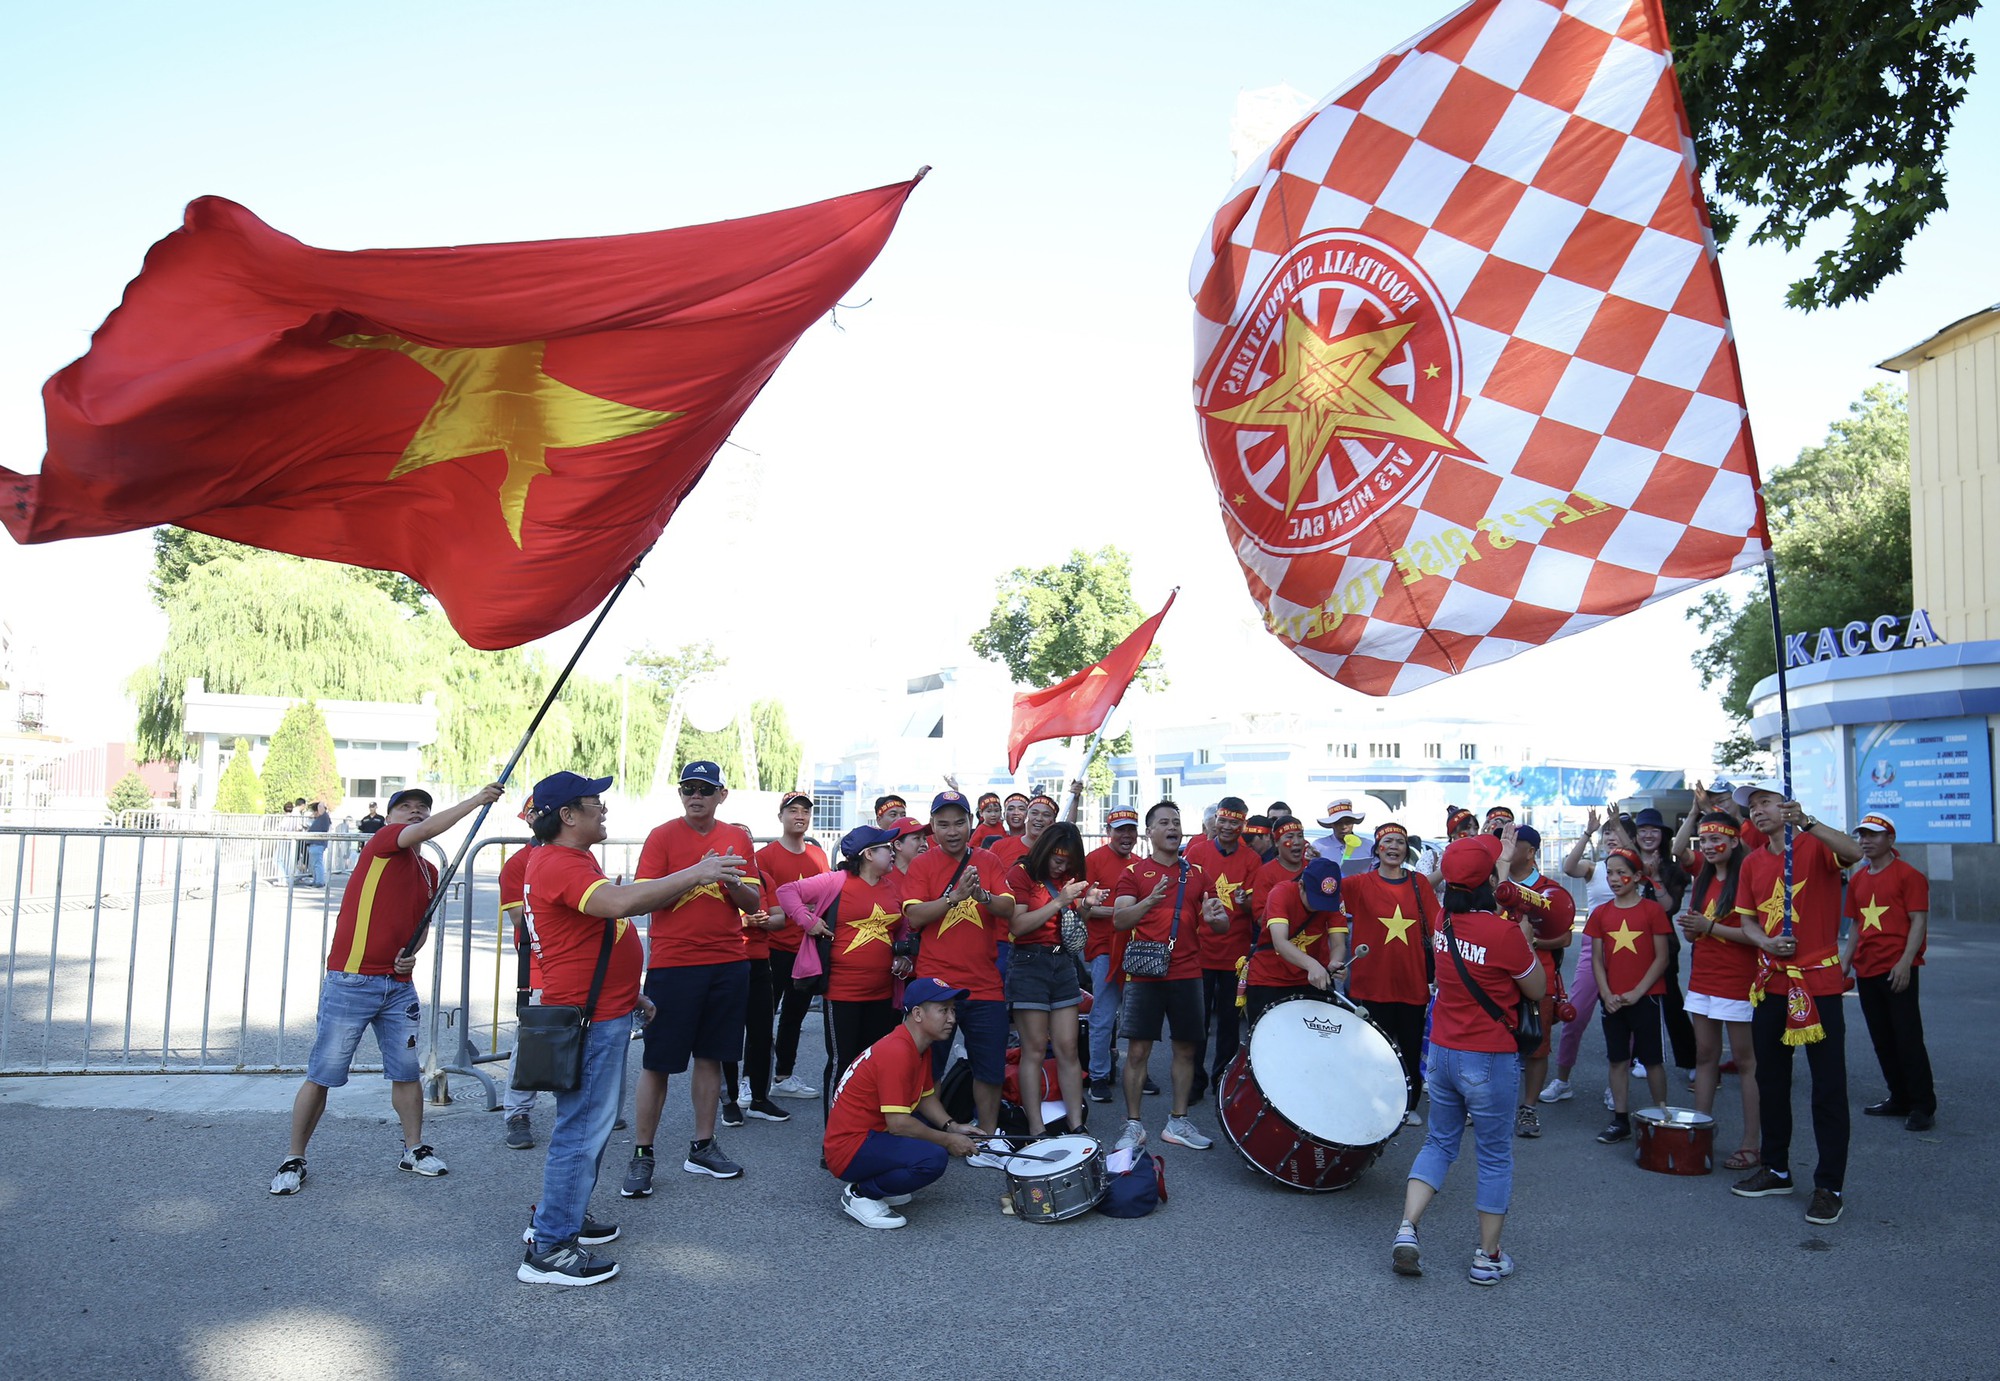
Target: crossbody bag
x: 549, y: 1041
x: 1149, y: 958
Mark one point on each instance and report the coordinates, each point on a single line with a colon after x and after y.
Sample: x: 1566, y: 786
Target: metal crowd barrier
x: 202, y: 952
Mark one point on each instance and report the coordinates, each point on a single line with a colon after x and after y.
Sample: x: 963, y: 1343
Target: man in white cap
x: 1343, y: 844
x: 1889, y: 902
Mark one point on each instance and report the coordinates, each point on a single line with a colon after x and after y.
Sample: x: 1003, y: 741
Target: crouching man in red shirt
x: 882, y: 1133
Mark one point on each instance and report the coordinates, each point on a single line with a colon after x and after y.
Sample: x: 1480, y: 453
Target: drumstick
x: 1360, y: 952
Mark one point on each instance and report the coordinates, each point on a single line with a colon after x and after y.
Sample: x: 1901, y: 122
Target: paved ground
x: 143, y: 1243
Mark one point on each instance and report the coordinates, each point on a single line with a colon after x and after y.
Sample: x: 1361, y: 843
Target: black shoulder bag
x: 1149, y: 958
x: 549, y: 1041
x: 1526, y: 1028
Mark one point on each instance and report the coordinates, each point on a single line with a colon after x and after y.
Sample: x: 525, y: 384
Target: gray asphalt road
x: 142, y: 1242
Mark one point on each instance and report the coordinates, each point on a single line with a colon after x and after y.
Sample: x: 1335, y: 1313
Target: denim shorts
x: 1042, y: 979
x: 349, y: 1003
x: 703, y: 1010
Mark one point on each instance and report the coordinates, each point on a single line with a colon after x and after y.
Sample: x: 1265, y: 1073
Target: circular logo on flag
x: 1334, y: 395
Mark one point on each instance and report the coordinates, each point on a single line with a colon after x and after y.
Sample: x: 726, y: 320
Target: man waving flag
x: 1464, y: 374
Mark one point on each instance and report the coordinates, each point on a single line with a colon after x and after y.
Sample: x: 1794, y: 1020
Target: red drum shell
x: 1673, y: 1141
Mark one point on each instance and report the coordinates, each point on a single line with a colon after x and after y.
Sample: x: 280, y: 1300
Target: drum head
x: 1052, y: 1156
x: 1674, y: 1117
x: 1330, y: 1072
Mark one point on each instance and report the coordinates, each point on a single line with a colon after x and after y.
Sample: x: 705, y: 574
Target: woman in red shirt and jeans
x: 1475, y: 1065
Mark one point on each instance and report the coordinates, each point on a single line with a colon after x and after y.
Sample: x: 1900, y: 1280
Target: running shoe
x: 291, y: 1176
x: 1557, y: 1091
x: 1131, y: 1139
x: 565, y: 1263
x: 764, y: 1110
x: 638, y: 1178
x: 1182, y: 1132
x: 1489, y: 1270
x: 423, y: 1160
x: 792, y: 1086
x: 709, y: 1160
x: 1403, y: 1258
x: 520, y: 1133
x: 1527, y: 1124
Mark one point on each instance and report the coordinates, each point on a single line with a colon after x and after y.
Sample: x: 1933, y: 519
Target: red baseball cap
x: 1471, y: 861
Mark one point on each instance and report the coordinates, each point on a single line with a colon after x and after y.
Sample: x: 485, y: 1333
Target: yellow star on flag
x: 1325, y: 391
x: 874, y: 926
x: 1398, y: 925
x: 1430, y: 371
x: 499, y: 398
x: 1871, y: 916
x: 965, y: 909
x: 1625, y: 938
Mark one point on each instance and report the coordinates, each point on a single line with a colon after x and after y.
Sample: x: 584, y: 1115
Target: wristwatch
x: 1809, y: 822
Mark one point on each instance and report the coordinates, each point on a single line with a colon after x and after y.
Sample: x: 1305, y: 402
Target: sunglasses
x: 697, y: 789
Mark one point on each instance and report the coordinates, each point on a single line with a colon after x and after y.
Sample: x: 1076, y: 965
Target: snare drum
x: 1314, y: 1096
x: 1064, y: 1178
x: 1673, y: 1141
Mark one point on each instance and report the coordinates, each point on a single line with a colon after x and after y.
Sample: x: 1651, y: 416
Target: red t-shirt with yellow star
x: 780, y: 865
x: 386, y: 897
x: 558, y: 883
x: 1816, y: 888
x: 960, y: 948
x: 864, y: 936
x: 1268, y: 876
x: 1880, y: 905
x: 1624, y: 936
x: 1232, y: 874
x: 1158, y: 923
x: 702, y: 925
x: 1102, y: 866
x: 1393, y: 919
x: 1009, y: 851
x: 1312, y: 931
x: 892, y: 1075
x: 1718, y: 967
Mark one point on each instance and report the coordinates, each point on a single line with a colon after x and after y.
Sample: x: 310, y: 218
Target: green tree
x: 780, y: 755
x: 1050, y: 622
x: 128, y: 793
x: 1805, y: 112
x: 178, y: 551
x: 672, y: 672
x: 299, y: 761
x: 239, y: 792
x: 1840, y: 530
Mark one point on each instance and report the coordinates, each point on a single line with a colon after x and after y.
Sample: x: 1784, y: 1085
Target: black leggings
x: 851, y: 1027
x: 1403, y: 1023
x: 791, y: 1006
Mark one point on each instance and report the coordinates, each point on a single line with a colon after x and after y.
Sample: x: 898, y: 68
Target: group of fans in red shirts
x: 990, y: 925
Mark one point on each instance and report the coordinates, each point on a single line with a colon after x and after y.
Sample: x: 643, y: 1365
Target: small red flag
x: 1080, y: 704
x: 510, y: 425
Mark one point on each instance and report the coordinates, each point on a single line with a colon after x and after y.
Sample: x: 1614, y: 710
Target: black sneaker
x: 520, y: 1133
x: 732, y: 1113
x: 1824, y: 1207
x: 709, y: 1160
x: 638, y: 1178
x: 1762, y: 1185
x: 291, y: 1176
x: 1150, y: 1086
x: 765, y: 1110
x: 592, y: 1234
x: 1100, y: 1090
x: 565, y: 1263
x: 1620, y: 1129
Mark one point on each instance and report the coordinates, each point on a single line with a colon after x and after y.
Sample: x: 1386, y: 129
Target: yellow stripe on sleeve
x: 584, y: 900
x: 888, y: 1108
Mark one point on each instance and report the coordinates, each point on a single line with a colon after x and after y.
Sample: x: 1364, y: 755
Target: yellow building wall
x: 1954, y: 386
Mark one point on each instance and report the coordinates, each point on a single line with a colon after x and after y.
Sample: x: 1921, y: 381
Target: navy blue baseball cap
x: 710, y: 772
x: 1319, y: 884
x: 950, y: 798
x: 564, y: 788
x: 919, y: 990
x: 1529, y: 835
x: 866, y: 837
x: 409, y: 793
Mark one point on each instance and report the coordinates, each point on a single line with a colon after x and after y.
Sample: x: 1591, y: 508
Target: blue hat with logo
x: 950, y: 798
x: 1319, y: 884
x: 866, y: 837
x: 920, y: 990
x: 565, y: 788
x: 710, y: 772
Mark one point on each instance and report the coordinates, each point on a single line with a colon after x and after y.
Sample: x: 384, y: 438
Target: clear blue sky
x: 1029, y: 326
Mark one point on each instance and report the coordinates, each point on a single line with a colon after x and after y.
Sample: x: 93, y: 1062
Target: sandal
x: 1743, y: 1160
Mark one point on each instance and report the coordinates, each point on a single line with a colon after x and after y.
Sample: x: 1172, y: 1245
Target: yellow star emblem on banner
x: 1326, y: 390
x: 499, y: 398
x: 1398, y: 925
x: 1872, y: 914
x: 1624, y: 938
x: 874, y: 926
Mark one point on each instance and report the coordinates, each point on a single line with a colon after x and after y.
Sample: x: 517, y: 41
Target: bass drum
x: 1315, y: 1095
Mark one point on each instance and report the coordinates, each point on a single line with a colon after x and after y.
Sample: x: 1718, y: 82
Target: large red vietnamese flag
x: 1463, y: 370
x: 1079, y: 704
x: 510, y: 425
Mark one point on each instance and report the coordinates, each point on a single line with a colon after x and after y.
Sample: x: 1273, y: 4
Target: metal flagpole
x: 1784, y: 726
x: 555, y: 689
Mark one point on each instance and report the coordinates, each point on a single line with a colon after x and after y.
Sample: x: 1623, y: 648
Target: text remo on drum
x: 1315, y: 1095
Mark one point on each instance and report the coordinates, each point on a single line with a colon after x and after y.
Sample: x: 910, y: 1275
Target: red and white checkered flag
x: 1464, y: 373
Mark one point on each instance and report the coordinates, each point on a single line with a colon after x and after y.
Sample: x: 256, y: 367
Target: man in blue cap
x: 573, y: 914
x: 887, y: 1135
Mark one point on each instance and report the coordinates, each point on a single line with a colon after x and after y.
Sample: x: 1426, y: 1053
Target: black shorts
x: 1633, y: 1033
x: 703, y: 1008
x: 1174, y: 1002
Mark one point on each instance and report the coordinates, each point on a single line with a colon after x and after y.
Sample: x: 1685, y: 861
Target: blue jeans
x: 1103, y: 1017
x: 1484, y: 1084
x: 316, y: 863
x: 888, y: 1164
x: 581, y: 1132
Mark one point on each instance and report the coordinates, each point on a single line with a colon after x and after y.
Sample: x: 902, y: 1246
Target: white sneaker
x: 423, y: 1160
x: 986, y: 1160
x: 1638, y: 1072
x: 1688, y: 1075
x: 896, y: 1200
x: 1610, y: 1103
x: 1413, y: 1118
x: 1557, y: 1091
x: 1133, y: 1137
x: 870, y: 1213
x: 290, y: 1177
x: 1181, y: 1132
x: 792, y: 1086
